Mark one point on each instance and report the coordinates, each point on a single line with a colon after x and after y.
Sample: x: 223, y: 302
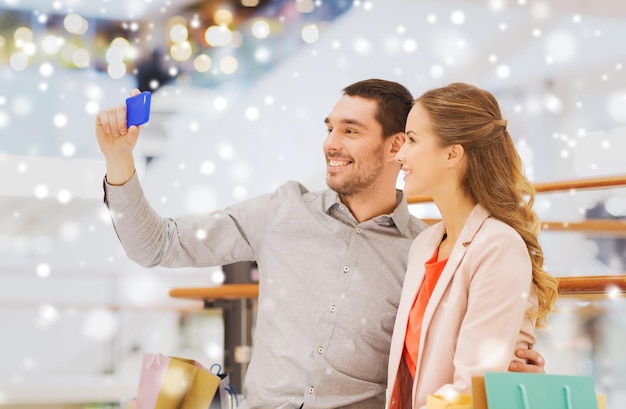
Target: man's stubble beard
x: 359, y: 182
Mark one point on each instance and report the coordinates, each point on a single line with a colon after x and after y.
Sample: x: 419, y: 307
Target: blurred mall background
x: 241, y: 88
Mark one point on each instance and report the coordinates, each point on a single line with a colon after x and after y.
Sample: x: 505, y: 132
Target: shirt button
x: 341, y: 207
x: 320, y: 350
x: 311, y: 390
x: 358, y: 230
x: 346, y: 269
x: 333, y: 308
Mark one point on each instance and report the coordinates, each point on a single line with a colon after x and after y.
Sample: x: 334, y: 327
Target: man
x: 331, y: 263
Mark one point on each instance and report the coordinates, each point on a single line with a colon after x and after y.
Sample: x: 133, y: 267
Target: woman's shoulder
x: 496, y: 227
x: 500, y: 240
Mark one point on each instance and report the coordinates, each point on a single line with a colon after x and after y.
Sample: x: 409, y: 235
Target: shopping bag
x: 454, y: 402
x: 226, y: 398
x: 174, y: 383
x: 511, y: 390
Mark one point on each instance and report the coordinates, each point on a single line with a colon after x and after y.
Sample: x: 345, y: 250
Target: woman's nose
x: 399, y: 156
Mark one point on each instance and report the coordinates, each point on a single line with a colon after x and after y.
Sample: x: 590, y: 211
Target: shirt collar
x: 399, y: 217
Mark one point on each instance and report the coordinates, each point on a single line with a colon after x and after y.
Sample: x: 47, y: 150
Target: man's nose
x: 332, y: 141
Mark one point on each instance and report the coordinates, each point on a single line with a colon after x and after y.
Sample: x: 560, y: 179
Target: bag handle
x: 234, y: 402
x: 219, y: 369
x: 153, y: 358
x: 566, y: 389
x: 568, y: 396
x: 524, y: 392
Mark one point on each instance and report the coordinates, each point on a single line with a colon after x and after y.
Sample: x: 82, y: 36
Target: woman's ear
x: 455, y: 154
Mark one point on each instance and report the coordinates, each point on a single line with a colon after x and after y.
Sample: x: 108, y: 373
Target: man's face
x: 354, y: 147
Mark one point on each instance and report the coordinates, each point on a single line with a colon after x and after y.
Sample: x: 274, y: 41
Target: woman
x: 475, y: 286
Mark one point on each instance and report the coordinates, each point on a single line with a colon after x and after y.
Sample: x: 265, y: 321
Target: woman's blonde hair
x: 469, y: 116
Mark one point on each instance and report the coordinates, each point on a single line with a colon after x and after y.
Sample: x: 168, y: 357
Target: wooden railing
x: 592, y: 287
x: 615, y: 228
x: 561, y: 186
x: 221, y: 292
x: 604, y: 227
x: 585, y: 287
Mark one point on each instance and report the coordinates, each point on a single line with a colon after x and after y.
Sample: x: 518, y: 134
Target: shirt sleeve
x: 198, y: 240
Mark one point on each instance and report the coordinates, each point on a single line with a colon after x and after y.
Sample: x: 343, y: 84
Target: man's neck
x: 366, y: 206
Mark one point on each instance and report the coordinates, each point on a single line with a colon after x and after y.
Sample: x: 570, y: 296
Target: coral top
x: 402, y: 392
x: 433, y: 269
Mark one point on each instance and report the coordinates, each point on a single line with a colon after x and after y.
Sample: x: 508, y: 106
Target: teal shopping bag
x: 510, y: 390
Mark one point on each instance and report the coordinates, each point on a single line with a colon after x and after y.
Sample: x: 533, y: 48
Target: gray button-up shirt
x: 328, y: 291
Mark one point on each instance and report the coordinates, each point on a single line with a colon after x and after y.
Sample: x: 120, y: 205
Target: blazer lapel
x: 415, y: 274
x: 476, y: 218
x: 410, y: 287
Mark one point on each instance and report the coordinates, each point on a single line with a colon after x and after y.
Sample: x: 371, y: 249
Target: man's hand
x: 117, y: 142
x: 536, y: 362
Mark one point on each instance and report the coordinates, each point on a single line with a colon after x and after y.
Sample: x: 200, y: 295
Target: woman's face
x: 422, y: 158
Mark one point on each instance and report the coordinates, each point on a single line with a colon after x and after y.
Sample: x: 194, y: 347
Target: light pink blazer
x: 476, y: 316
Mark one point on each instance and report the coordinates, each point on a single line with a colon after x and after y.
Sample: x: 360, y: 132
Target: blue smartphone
x: 138, y: 109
